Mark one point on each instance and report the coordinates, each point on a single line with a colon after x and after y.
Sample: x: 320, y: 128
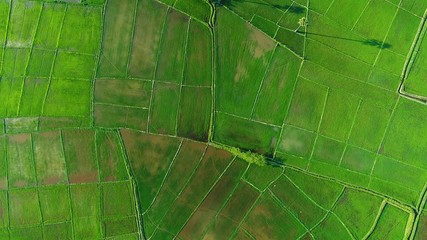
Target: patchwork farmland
x: 222, y: 119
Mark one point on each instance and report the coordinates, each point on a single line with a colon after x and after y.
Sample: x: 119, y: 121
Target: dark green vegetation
x: 146, y: 119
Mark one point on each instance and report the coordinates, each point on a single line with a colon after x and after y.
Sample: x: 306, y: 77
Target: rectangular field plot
x: 149, y: 22
x: 307, y: 105
x: 171, y: 57
x: 4, y: 17
x: 23, y: 23
x: 85, y: 20
x: 68, y: 98
x: 194, y: 113
x: 195, y: 9
x: 10, y: 89
x: 246, y: 134
x: 74, y: 65
x: 15, y: 62
x: 405, y: 134
x: 32, y: 100
x: 3, y: 164
x: 164, y: 108
x: 133, y: 93
x: 115, y: 50
x: 49, y: 27
x: 4, y: 216
x: 199, y: 55
x: 110, y: 116
x: 110, y: 155
x: 49, y: 158
x: 21, y: 167
x: 79, y: 149
x: 275, y: 92
x: 243, y: 54
x: 40, y: 63
x: 24, y: 208
x: 339, y: 113
x: 55, y: 204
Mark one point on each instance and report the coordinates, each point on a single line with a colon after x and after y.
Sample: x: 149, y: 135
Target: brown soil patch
x: 263, y: 44
x: 84, y: 177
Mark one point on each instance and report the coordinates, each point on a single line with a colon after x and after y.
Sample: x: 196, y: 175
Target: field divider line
x: 239, y: 226
x: 225, y: 203
x: 291, y: 100
x: 304, y: 193
x: 384, y: 136
x: 28, y: 59
x: 404, y: 206
x: 344, y: 225
x: 377, y: 218
x: 281, y: 17
x: 412, y: 229
x: 249, y: 183
x: 211, y: 27
x: 410, y: 60
x: 119, y: 105
x: 248, y: 233
x: 328, y: 212
x: 360, y: 16
x: 207, y: 194
x: 172, y: 163
x: 130, y: 49
x: 383, y: 41
x: 274, y: 40
x: 254, y: 204
x: 287, y: 209
x: 67, y: 170
x: 307, y: 16
x: 155, y: 68
x: 190, y: 178
x: 348, y: 77
x: 325, y: 101
x: 99, y: 185
x: 33, y: 160
x: 6, y: 35
x: 54, y: 60
x: 184, y: 65
x: 181, y: 12
x: 248, y: 119
x: 95, y: 70
x: 134, y: 185
x: 349, y: 133
x: 267, y: 70
x: 6, y: 152
x: 329, y: 7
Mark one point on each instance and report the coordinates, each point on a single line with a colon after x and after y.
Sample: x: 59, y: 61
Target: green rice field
x: 213, y: 119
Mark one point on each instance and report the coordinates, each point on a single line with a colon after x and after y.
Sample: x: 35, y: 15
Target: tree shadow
x: 370, y: 42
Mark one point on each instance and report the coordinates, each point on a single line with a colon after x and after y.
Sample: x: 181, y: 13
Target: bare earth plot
x: 120, y: 119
